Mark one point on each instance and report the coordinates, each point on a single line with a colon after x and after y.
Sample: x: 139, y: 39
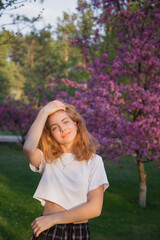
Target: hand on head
x: 54, y: 106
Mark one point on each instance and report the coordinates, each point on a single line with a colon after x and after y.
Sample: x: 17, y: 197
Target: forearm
x: 35, y: 132
x: 88, y: 210
x: 77, y: 214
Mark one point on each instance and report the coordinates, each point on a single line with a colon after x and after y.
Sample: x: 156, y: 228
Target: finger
x: 33, y: 225
x: 60, y: 105
x: 58, y: 102
x: 38, y: 232
x: 34, y: 229
x: 58, y: 108
x: 63, y: 108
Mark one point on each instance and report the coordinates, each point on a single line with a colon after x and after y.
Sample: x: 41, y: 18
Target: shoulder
x: 97, y: 173
x: 95, y: 158
x: 95, y: 161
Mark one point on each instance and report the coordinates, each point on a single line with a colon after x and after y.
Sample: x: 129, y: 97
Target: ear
x: 76, y: 126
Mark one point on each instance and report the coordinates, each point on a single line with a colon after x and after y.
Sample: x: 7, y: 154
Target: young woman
x: 59, y: 146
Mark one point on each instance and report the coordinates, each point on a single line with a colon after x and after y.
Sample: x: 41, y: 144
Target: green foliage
x: 121, y: 217
x: 86, y: 24
x: 66, y: 27
x: 4, y: 78
x: 11, y: 79
x: 31, y: 60
x: 4, y: 86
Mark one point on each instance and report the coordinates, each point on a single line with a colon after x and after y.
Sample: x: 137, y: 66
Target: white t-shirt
x: 68, y: 181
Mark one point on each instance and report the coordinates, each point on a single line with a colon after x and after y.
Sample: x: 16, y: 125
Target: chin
x: 68, y: 140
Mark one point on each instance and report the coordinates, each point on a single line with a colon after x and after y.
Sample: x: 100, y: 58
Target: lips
x: 66, y: 134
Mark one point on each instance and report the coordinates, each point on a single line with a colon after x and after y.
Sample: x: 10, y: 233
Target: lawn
x: 121, y: 218
x: 5, y: 133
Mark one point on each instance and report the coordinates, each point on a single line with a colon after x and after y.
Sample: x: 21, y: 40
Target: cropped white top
x: 68, y: 181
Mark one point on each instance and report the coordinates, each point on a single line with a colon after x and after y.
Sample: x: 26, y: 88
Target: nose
x: 62, y: 128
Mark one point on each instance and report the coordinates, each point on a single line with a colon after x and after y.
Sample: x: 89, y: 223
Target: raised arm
x: 30, y: 146
x: 88, y: 210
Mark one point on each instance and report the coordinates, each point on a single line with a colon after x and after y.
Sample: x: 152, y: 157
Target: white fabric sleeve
x: 97, y: 174
x: 41, y: 166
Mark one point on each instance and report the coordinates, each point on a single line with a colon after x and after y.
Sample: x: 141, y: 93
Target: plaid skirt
x: 68, y: 231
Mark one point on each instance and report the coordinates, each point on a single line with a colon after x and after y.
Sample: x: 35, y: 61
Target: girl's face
x: 62, y: 129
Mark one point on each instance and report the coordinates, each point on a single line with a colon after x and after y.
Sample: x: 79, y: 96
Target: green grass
x: 121, y: 218
x: 5, y: 132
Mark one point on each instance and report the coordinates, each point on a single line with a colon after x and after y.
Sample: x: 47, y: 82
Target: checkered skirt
x: 69, y: 231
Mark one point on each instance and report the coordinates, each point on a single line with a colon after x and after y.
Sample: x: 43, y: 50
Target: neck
x: 66, y: 149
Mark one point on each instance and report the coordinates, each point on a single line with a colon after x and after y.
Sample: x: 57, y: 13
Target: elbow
x: 27, y: 149
x: 95, y: 208
x: 98, y: 212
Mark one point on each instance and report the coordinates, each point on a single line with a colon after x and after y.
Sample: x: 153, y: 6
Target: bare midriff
x: 51, y: 207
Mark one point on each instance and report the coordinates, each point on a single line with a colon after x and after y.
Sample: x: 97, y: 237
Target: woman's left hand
x: 41, y: 224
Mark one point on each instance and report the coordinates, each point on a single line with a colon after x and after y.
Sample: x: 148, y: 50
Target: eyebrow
x: 56, y: 123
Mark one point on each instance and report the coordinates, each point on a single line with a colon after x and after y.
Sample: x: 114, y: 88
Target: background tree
x: 16, y: 115
x: 67, y: 28
x: 121, y: 59
x: 10, y: 77
x: 122, y: 103
x: 4, y: 67
x: 42, y: 54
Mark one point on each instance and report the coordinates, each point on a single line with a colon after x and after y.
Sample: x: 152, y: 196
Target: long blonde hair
x: 83, y: 147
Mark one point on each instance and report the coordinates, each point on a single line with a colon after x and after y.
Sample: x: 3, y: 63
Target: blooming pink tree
x: 16, y: 116
x: 121, y: 103
x: 121, y: 100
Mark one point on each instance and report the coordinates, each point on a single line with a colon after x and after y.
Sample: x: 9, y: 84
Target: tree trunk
x: 142, y: 185
x: 66, y: 54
